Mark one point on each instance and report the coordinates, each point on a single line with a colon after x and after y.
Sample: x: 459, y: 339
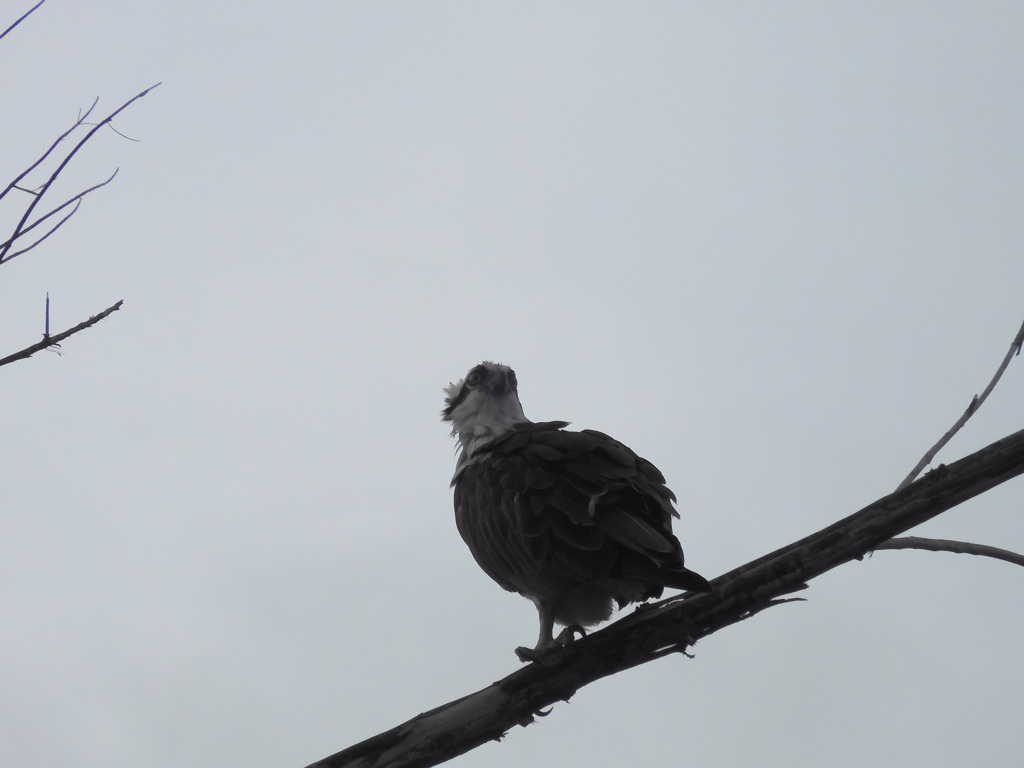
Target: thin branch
x: 673, y: 625
x: 76, y: 200
x: 48, y: 232
x: 1015, y: 348
x: 958, y: 547
x: 23, y: 17
x: 22, y: 225
x: 78, y: 123
x: 53, y: 341
x: 125, y: 136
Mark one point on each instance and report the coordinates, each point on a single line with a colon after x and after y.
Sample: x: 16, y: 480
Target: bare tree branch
x: 672, y: 625
x: 49, y: 222
x: 942, y: 545
x: 975, y: 404
x: 23, y: 226
x: 23, y: 17
x: 53, y: 341
x: 958, y: 547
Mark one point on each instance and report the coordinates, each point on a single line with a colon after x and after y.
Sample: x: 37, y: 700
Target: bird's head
x: 484, y: 405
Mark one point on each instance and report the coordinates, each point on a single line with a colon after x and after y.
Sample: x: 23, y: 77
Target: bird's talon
x: 527, y: 654
x: 564, y: 639
x: 568, y: 635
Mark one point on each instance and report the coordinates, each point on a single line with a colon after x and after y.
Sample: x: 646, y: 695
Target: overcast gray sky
x: 773, y: 247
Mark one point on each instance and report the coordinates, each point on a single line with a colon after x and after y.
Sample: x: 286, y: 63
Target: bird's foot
x: 566, y: 637
x: 529, y: 654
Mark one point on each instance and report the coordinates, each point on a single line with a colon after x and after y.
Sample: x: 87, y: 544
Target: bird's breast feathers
x: 541, y: 507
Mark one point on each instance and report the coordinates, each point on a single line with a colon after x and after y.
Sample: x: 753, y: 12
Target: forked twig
x: 74, y: 201
x: 945, y: 545
x: 39, y: 161
x: 23, y: 227
x: 1015, y: 348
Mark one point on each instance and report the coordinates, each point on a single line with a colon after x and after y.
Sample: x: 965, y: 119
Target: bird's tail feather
x: 684, y: 578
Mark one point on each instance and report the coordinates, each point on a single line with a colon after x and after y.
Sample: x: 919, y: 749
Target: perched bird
x: 570, y: 520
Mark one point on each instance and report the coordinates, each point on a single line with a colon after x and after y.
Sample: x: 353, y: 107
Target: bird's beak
x: 502, y: 385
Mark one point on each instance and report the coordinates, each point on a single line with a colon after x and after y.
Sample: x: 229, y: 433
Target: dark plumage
x: 571, y: 520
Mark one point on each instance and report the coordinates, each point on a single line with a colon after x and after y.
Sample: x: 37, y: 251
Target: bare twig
x: 74, y: 201
x: 125, y: 136
x: 48, y: 232
x: 958, y: 547
x: 53, y: 341
x: 1015, y: 348
x: 39, y: 161
x: 23, y: 226
x: 675, y: 624
x: 23, y: 17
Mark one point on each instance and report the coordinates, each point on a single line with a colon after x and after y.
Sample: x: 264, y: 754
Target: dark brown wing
x: 545, y: 510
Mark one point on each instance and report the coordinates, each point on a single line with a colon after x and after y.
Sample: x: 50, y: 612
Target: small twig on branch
x: 125, y: 136
x: 53, y: 341
x: 958, y: 547
x: 1015, y: 348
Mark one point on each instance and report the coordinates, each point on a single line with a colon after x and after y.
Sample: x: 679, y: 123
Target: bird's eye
x: 474, y: 378
x: 512, y: 379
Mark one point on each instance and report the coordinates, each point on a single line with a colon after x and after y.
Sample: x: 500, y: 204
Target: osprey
x: 570, y: 520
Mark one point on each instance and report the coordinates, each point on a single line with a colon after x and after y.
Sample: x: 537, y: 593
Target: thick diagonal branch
x: 672, y: 625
